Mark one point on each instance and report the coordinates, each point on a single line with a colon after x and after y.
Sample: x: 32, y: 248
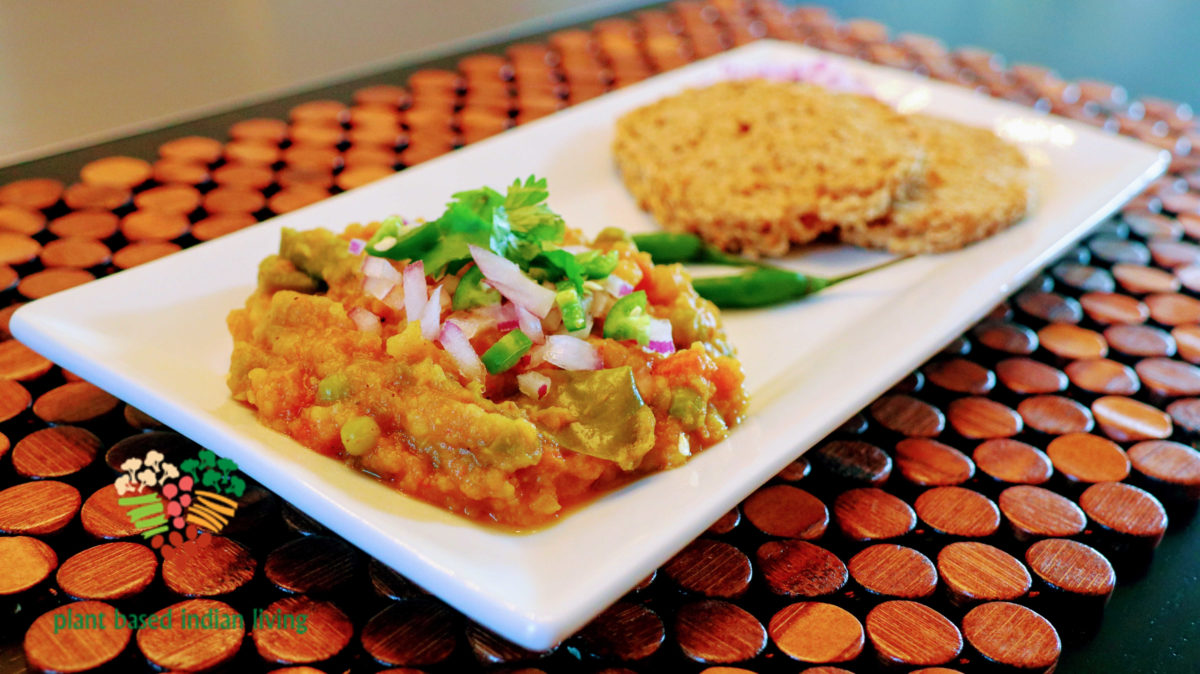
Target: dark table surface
x: 1152, y: 623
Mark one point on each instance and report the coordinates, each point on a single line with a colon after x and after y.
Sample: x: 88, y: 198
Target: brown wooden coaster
x: 894, y: 571
x: 250, y: 176
x: 193, y: 635
x: 218, y: 568
x: 78, y: 252
x: 1055, y: 415
x: 16, y: 249
x: 929, y: 463
x: 853, y: 461
x: 1128, y: 420
x: 49, y: 281
x: 1103, y: 376
x: 1170, y: 468
x: 1115, y: 250
x: 103, y: 517
x: 316, y: 134
x: 390, y: 585
x: 74, y: 402
x: 1034, y: 512
x: 127, y: 172
x: 1083, y: 277
x: 871, y: 514
x: 8, y: 277
x: 277, y: 631
x: 142, y: 252
x: 625, y: 631
x: 973, y: 572
x: 726, y: 523
x: 710, y: 568
x: 1171, y: 309
x: 1050, y: 306
x: 1169, y: 378
x: 407, y: 634
x: 957, y: 511
x: 1140, y: 340
x: 1126, y: 510
x: 86, y: 224
x: 81, y: 196
x: 1072, y: 342
x: 39, y: 507
x: 21, y: 220
x: 981, y: 418
x: 108, y: 571
x: 1013, y: 461
x: 1084, y: 457
x: 26, y: 562
x: 1141, y: 280
x: 253, y: 152
x: 312, y: 565
x: 260, y: 129
x: 1012, y: 635
x: 909, y: 633
x: 154, y: 226
x: 799, y: 569
x: 490, y: 648
x: 718, y: 632
x: 32, y: 193
x: 1114, y: 308
x: 323, y: 111
x: 176, y: 172
x: 1028, y: 376
x: 92, y: 638
x: 1072, y: 568
x: 221, y: 224
x: 191, y: 148
x: 55, y: 452
x: 1171, y: 254
x: 908, y: 416
x: 784, y: 510
x: 817, y: 633
x: 1187, y: 338
x: 233, y: 200
x: 173, y: 198
x: 14, y: 399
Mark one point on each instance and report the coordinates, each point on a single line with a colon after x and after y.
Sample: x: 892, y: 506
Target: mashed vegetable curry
x: 491, y: 362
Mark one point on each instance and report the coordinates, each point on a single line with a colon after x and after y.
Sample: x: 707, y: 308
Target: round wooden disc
x: 1028, y: 376
x: 154, y: 226
x: 1012, y: 635
x: 1125, y: 509
x: 974, y: 571
x: 958, y: 512
x: 319, y: 111
x: 929, y: 463
x: 252, y: 152
x: 908, y: 416
x: 1036, y: 512
x: 103, y: 517
x: 1083, y: 277
x: 1171, y: 254
x: 14, y: 399
x: 32, y: 193
x: 86, y: 224
x: 81, y: 196
x: 78, y: 252
x: 219, y: 225
x: 213, y: 570
x: 1049, y: 306
x: 312, y: 565
x: 718, y: 632
x: 960, y: 376
x: 247, y: 176
x: 1128, y: 420
x: 381, y: 94
x: 1173, y: 463
x: 1140, y: 340
x: 17, y: 248
x: 1116, y: 250
x: 83, y: 645
x: 909, y: 633
x: 726, y: 523
x: 40, y: 507
x: 26, y: 562
x: 981, y: 418
x: 799, y: 569
x: 142, y: 252
x: 1083, y: 457
x: 1013, y: 461
x: 894, y: 571
x: 74, y: 402
x: 1072, y: 342
x: 176, y: 199
x: 853, y: 461
x: 203, y: 634
x: 233, y: 200
x: 784, y: 510
x: 127, y: 172
x: 1104, y: 376
x: 490, y: 648
x: 55, y: 452
x: 414, y: 633
x: 710, y: 568
x: 108, y: 571
x: 1072, y: 567
x: 191, y: 148
x: 625, y: 631
x: 297, y: 196
x: 796, y: 470
x: 816, y: 632
x: 20, y: 220
x: 1141, y: 280
x: 1055, y: 415
x: 1168, y: 377
x: 263, y: 130
x: 1187, y: 339
x: 1173, y: 309
x: 871, y: 514
x: 49, y: 281
x: 1114, y: 308
x: 277, y: 633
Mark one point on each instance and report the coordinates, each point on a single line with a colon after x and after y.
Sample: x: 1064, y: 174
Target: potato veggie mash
x: 492, y: 361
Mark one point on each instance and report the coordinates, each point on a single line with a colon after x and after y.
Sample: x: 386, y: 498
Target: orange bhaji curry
x: 492, y: 361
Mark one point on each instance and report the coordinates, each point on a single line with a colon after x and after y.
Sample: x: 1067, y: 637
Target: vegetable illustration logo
x: 179, y: 506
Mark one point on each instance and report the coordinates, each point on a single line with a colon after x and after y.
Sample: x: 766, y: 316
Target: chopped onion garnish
x: 505, y: 276
x: 553, y: 322
x: 537, y: 355
x: 459, y: 347
x: 395, y: 298
x: 530, y: 325
x: 378, y: 267
x: 431, y: 317
x: 617, y: 286
x: 660, y: 336
x: 365, y: 320
x: 468, y: 323
x: 415, y: 291
x: 572, y: 353
x: 533, y: 384
x: 506, y: 317
x: 357, y: 246
x: 601, y: 303
x: 377, y: 287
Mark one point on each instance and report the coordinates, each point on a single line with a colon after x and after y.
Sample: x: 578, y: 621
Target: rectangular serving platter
x: 155, y: 336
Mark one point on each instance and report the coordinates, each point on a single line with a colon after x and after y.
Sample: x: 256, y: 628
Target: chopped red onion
x: 505, y: 276
x: 357, y: 246
x: 506, y: 317
x: 377, y: 287
x: 533, y: 384
x: 601, y: 303
x: 378, y: 267
x: 572, y: 353
x: 365, y: 320
x: 530, y: 325
x: 617, y: 286
x: 431, y: 316
x: 415, y: 291
x: 459, y: 347
x: 395, y: 298
x: 660, y: 336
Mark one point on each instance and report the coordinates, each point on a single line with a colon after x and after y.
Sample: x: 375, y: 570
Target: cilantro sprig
x: 518, y: 225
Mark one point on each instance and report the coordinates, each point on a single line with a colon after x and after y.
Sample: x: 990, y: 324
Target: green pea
x: 359, y: 435
x: 333, y: 388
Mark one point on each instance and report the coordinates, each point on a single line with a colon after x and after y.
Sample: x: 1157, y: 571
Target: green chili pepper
x: 571, y: 307
x: 670, y: 247
x: 471, y: 292
x: 596, y: 265
x: 628, y: 319
x: 506, y: 352
x: 766, y: 285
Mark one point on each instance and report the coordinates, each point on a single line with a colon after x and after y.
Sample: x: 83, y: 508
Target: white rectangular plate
x: 156, y: 337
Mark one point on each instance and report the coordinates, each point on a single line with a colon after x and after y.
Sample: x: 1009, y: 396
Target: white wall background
x: 76, y: 72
